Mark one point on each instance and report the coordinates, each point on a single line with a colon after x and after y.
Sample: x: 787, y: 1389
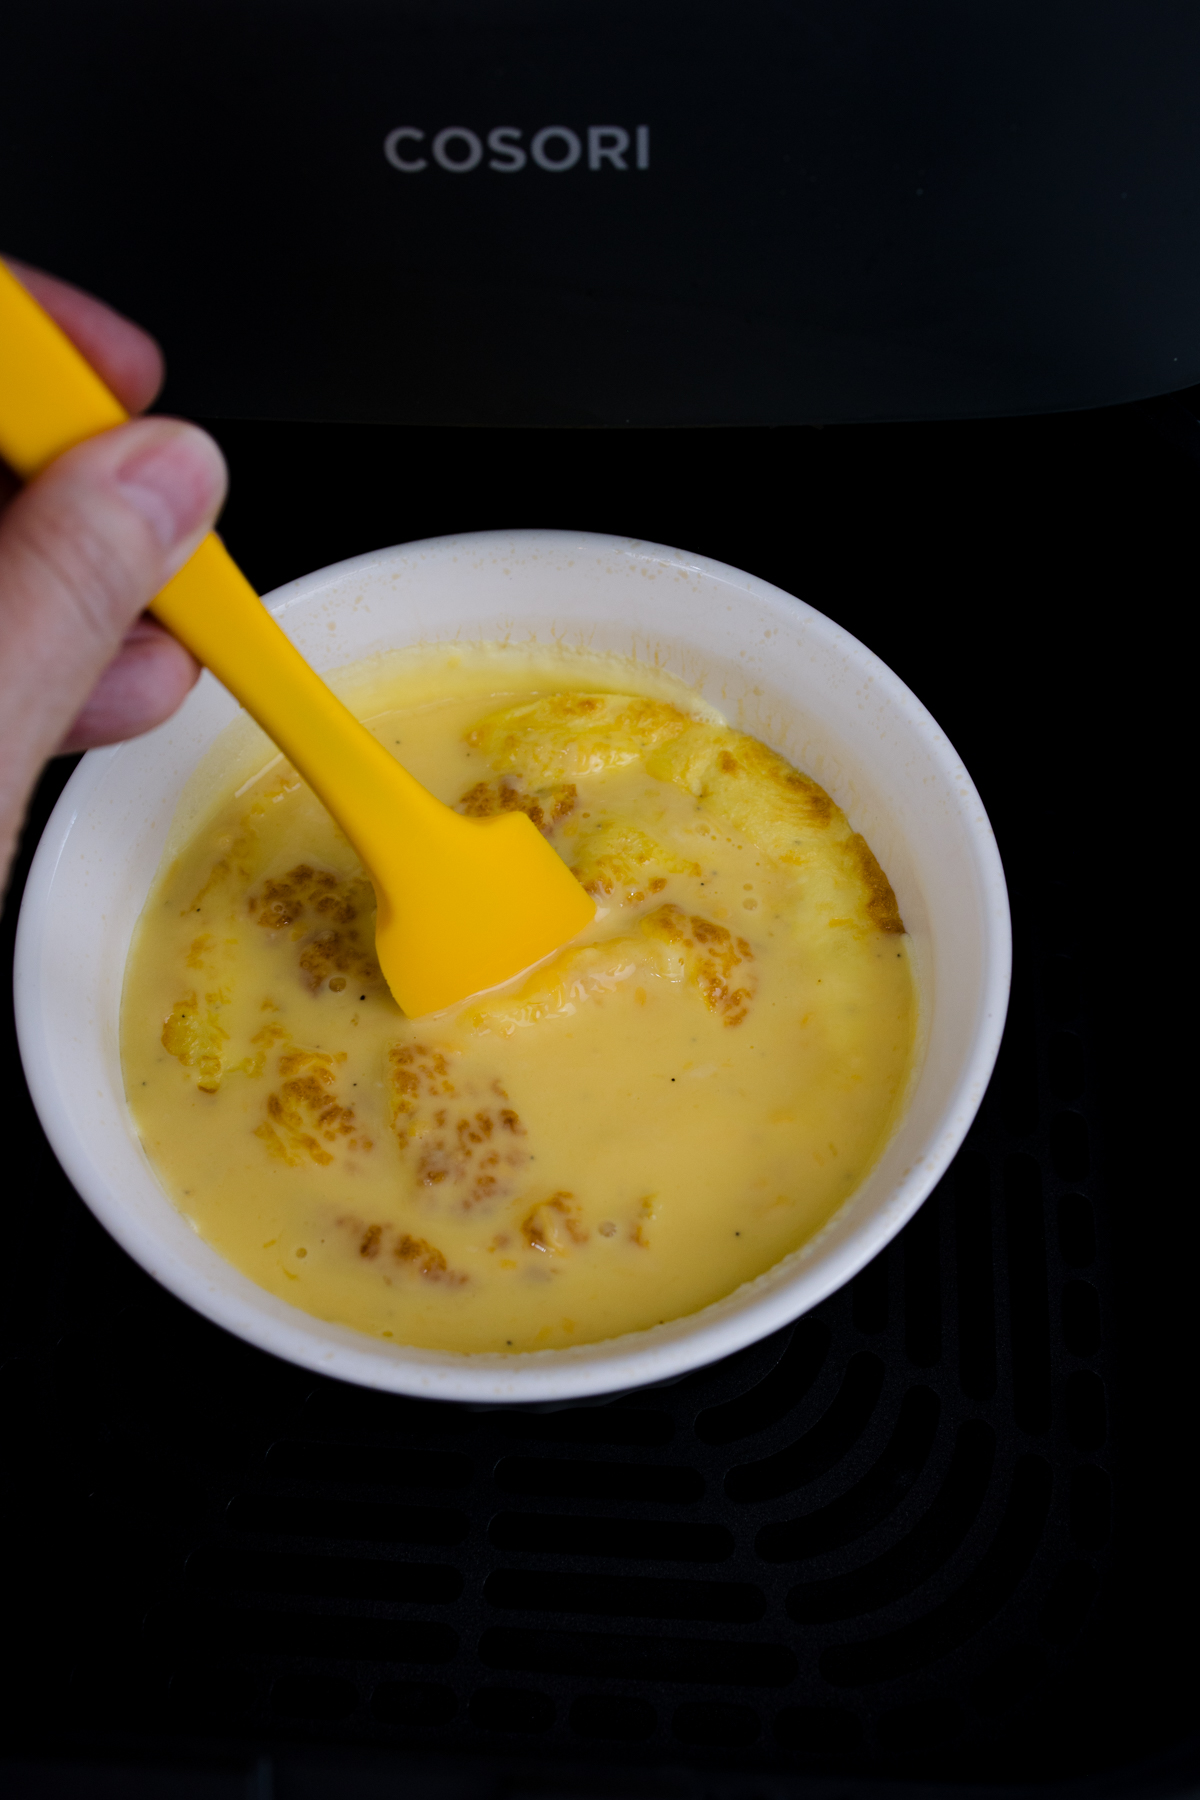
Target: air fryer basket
x: 920, y: 1537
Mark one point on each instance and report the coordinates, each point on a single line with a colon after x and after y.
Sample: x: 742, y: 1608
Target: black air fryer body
x: 937, y: 1539
x: 606, y: 213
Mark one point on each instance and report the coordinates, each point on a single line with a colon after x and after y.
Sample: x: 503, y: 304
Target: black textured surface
x: 936, y: 1532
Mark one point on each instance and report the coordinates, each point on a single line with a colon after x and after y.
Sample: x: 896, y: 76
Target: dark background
x: 1031, y: 580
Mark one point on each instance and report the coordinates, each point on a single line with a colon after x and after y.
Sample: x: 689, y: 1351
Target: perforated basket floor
x: 904, y: 1541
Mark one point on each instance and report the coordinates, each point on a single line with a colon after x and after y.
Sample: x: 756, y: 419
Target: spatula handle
x: 211, y: 607
x: 52, y: 399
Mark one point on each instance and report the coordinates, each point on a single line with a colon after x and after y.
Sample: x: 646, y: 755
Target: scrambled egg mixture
x: 656, y: 1115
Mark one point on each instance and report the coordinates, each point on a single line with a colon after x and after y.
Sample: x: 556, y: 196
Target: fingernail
x: 176, y: 482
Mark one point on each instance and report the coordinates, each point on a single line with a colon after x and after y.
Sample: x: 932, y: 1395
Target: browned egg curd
x: 654, y: 1116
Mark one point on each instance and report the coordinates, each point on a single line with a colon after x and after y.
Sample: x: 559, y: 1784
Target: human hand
x: 84, y: 548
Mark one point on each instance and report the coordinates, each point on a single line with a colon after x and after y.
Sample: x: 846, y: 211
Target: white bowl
x: 776, y: 669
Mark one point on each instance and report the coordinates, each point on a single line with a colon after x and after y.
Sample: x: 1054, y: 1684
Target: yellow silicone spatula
x: 463, y: 904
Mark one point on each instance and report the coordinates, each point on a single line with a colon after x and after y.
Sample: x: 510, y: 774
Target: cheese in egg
x: 657, y: 1114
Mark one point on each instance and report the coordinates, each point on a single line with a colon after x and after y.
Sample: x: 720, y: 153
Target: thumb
x: 83, y: 550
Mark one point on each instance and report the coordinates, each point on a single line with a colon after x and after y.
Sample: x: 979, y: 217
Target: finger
x: 83, y: 549
x: 148, y: 678
x: 122, y: 354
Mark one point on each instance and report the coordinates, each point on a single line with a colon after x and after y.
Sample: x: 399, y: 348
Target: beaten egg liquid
x: 660, y: 1113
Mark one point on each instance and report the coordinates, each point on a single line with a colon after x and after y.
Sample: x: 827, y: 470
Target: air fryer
x: 439, y: 267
